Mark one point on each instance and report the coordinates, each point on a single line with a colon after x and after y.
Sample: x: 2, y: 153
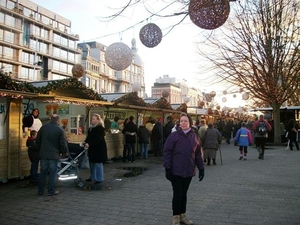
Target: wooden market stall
x: 66, y: 97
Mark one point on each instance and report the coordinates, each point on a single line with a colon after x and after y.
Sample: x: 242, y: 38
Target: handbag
x: 84, y: 162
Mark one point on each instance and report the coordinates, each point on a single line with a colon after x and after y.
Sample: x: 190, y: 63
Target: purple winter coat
x: 182, y: 153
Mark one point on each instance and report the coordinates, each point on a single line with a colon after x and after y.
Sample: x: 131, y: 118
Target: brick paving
x: 237, y: 192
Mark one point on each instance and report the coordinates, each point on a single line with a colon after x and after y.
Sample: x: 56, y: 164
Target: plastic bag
x: 84, y: 162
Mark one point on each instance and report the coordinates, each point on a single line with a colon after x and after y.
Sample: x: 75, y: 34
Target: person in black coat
x: 168, y: 128
x: 292, y: 130
x: 34, y: 156
x: 143, y: 134
x: 157, y: 137
x: 97, y: 149
x: 130, y: 131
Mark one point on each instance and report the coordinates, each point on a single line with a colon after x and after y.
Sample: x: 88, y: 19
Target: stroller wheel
x: 79, y: 182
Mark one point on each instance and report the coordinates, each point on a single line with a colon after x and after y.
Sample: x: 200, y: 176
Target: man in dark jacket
x: 157, y: 137
x: 51, y: 142
x: 130, y: 131
x: 168, y: 128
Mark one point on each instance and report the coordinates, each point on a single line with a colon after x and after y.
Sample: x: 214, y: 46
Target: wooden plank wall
x: 18, y: 162
x: 114, y: 144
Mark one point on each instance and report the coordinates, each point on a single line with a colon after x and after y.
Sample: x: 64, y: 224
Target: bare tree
x: 258, y: 50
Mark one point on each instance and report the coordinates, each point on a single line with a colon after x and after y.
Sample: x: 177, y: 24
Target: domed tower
x: 137, y: 74
x: 136, y: 58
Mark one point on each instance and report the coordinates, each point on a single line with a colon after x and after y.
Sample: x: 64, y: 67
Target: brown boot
x: 185, y: 220
x: 176, y: 220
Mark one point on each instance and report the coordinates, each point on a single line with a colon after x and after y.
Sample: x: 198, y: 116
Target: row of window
x: 32, y: 14
x: 31, y: 29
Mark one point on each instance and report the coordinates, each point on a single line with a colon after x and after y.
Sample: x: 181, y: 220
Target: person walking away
x: 167, y: 129
x: 143, y: 135
x: 97, y: 149
x: 261, y: 128
x: 243, y: 138
x: 228, y: 130
x: 181, y: 156
x: 130, y: 131
x: 292, y: 130
x: 211, y: 141
x: 201, y: 131
x: 125, y: 155
x: 34, y: 156
x: 51, y: 143
x: 157, y: 137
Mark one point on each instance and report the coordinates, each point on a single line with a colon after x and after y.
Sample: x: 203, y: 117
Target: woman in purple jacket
x: 182, y: 153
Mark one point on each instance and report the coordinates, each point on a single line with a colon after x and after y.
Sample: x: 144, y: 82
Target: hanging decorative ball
x: 234, y: 95
x: 150, y: 35
x: 241, y: 90
x: 245, y: 96
x: 165, y: 94
x: 136, y: 86
x: 186, y: 99
x: 225, y: 92
x: 202, y: 103
x: 78, y: 71
x: 224, y: 99
x: 212, y: 94
x: 118, y: 56
x: 218, y: 107
x: 211, y: 105
x: 209, y: 14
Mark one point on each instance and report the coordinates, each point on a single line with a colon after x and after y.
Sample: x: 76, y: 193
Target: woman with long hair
x: 97, y: 150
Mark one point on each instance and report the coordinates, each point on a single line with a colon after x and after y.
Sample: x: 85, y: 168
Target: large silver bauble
x: 118, y: 56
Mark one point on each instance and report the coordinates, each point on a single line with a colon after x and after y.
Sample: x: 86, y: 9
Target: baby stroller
x: 68, y: 167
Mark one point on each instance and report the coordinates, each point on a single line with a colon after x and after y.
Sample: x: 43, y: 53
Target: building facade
x: 179, y: 92
x: 35, y: 43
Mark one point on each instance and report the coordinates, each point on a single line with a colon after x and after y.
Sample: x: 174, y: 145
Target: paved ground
x: 237, y: 192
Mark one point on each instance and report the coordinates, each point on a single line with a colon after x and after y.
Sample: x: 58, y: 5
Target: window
x: 87, y: 81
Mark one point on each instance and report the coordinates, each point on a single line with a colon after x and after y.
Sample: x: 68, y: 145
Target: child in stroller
x: 68, y: 167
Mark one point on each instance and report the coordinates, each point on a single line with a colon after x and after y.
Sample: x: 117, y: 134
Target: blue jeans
x: 96, y: 171
x: 131, y: 151
x: 34, y: 171
x: 48, y: 165
x: 144, y: 150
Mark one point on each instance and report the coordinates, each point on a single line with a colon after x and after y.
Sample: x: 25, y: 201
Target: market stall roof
x: 162, y: 103
x: 16, y: 89
x: 130, y: 98
x: 65, y: 91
